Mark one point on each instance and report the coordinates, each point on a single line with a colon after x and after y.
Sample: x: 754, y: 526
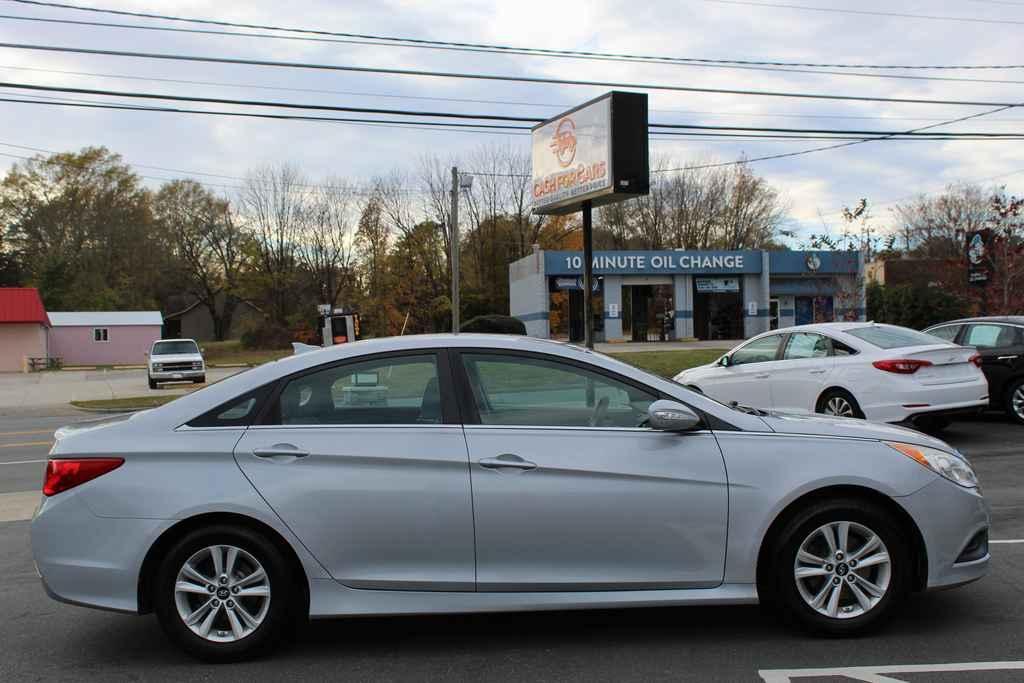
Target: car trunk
x: 949, y: 364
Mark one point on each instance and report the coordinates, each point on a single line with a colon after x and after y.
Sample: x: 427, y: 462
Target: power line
x: 847, y: 74
x: 488, y: 77
x: 464, y: 100
x: 487, y: 117
x: 442, y: 43
x: 844, y: 144
x: 870, y: 13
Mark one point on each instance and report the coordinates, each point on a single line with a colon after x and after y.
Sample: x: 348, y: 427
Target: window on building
x: 100, y: 334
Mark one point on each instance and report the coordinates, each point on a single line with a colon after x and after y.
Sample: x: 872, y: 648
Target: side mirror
x: 146, y: 353
x: 724, y: 361
x: 670, y: 416
x: 202, y: 350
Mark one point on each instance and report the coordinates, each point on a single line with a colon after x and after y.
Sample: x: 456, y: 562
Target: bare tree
x: 326, y: 248
x: 934, y: 227
x: 273, y: 204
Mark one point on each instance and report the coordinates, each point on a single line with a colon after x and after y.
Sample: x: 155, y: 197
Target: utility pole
x: 454, y: 257
x: 588, y: 276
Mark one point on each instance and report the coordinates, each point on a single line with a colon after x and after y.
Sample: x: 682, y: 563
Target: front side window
x: 100, y: 334
x: 806, y: 345
x: 946, y: 332
x: 392, y: 390
x: 526, y: 391
x: 757, y: 351
x: 172, y: 348
x: 990, y: 336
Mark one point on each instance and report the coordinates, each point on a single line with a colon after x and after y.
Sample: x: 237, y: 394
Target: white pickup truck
x: 176, y: 360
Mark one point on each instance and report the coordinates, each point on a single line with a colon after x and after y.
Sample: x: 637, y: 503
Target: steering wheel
x: 599, y: 412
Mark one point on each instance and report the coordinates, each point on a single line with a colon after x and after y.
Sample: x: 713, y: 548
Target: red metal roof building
x: 23, y: 327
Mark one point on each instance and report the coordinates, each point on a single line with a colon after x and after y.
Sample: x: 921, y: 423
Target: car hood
x: 176, y: 358
x: 822, y: 425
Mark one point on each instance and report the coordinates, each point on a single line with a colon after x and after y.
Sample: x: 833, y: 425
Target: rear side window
x: 891, y: 337
x: 757, y: 351
x: 806, y: 345
x: 238, y: 412
x: 991, y: 336
x: 946, y: 332
x: 390, y: 390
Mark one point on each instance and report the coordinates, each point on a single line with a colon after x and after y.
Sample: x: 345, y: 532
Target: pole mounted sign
x: 595, y: 152
x: 979, y: 260
x: 591, y: 155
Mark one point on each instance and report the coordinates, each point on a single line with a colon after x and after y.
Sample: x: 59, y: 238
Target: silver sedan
x: 477, y: 473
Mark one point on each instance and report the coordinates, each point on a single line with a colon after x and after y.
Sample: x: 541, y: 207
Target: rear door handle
x: 280, y: 450
x: 1007, y: 358
x: 507, y: 461
x: 816, y: 372
x: 764, y: 376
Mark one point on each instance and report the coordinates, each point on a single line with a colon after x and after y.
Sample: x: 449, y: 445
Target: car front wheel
x: 152, y: 383
x: 839, y: 568
x: 223, y: 594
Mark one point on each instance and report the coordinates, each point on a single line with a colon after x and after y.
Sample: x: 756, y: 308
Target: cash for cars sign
x: 596, y: 152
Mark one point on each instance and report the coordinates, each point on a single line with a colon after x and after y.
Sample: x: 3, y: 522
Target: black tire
x: 285, y: 607
x: 1015, y: 415
x: 831, y: 394
x: 199, y: 380
x: 778, y: 586
x: 153, y: 384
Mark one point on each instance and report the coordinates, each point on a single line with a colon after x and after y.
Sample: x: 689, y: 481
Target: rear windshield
x: 168, y: 348
x: 892, y: 337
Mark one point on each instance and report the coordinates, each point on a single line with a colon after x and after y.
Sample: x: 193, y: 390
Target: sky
x: 815, y: 187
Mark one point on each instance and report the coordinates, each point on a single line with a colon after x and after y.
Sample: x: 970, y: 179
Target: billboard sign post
x: 592, y: 155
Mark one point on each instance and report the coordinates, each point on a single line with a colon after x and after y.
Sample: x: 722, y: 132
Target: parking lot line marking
x: 878, y: 674
x: 36, y: 431
x: 26, y: 443
x: 1009, y: 540
x: 22, y: 462
x: 16, y: 507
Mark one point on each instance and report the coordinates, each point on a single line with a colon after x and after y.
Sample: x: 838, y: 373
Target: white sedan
x: 882, y: 373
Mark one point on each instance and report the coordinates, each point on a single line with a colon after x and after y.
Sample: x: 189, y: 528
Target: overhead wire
x: 777, y: 69
x: 869, y: 13
x: 491, y: 77
x: 542, y: 51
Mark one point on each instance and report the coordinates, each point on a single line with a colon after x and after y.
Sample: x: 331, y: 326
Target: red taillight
x: 62, y: 475
x: 975, y: 359
x: 902, y: 366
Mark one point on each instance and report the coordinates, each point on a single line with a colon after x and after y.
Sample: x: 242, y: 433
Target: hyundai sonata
x: 470, y: 473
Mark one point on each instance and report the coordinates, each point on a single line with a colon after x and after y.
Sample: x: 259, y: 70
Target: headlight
x: 946, y: 464
x: 197, y: 365
x: 157, y: 367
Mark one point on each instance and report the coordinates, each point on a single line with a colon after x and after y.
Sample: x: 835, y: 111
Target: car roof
x: 191, y: 405
x: 1011, y: 319
x: 173, y: 340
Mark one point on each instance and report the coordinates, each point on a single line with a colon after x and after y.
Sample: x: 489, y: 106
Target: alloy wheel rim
x: 842, y: 570
x: 1018, y: 402
x: 839, y: 406
x: 222, y: 593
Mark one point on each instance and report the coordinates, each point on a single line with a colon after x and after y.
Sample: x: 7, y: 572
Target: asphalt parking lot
x: 969, y: 634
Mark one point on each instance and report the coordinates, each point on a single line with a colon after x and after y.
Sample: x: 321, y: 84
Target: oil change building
x: 669, y: 295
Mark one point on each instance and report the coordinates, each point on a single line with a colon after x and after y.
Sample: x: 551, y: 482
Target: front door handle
x: 764, y: 376
x: 508, y: 461
x: 280, y: 450
x: 1007, y: 358
x: 816, y: 372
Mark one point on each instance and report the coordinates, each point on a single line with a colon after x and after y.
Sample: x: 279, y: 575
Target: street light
x: 459, y: 182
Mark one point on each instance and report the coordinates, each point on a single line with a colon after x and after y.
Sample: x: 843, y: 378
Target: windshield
x: 891, y: 337
x: 168, y: 348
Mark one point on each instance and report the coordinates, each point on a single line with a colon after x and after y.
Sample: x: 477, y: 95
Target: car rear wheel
x: 839, y: 403
x: 223, y: 594
x: 1015, y: 401
x: 839, y: 568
